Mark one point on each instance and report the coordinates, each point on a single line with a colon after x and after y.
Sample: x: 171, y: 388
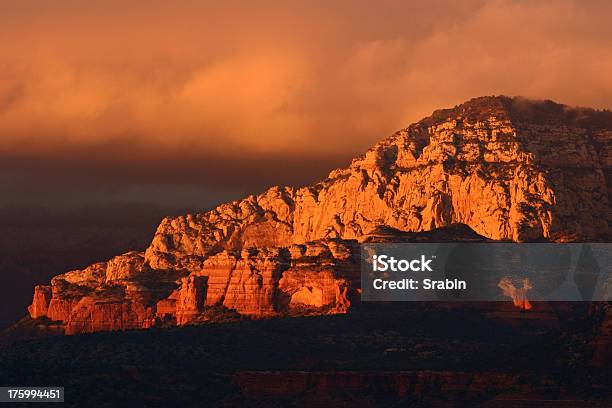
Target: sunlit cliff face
x: 222, y: 91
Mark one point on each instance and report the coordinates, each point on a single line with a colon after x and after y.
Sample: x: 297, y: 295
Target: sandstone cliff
x: 302, y: 279
x: 509, y: 169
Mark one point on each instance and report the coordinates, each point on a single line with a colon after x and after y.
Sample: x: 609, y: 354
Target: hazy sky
x: 203, y: 101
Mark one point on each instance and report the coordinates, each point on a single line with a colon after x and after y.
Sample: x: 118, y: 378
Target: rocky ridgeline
x: 509, y: 169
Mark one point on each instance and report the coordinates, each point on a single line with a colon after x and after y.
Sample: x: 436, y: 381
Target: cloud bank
x: 238, y: 95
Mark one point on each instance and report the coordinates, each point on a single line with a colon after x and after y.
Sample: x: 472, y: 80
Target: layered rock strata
x: 309, y: 278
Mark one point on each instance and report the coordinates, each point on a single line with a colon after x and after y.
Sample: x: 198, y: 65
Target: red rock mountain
x: 507, y: 168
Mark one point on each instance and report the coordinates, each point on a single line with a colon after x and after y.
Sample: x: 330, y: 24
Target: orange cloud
x: 277, y: 79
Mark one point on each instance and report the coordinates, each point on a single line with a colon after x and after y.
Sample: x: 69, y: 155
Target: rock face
x: 507, y: 168
x: 257, y: 282
x: 40, y: 302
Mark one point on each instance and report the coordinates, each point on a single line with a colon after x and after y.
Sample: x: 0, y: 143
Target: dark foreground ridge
x: 375, y: 356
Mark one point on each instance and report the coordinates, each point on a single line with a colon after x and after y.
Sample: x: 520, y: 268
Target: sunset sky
x: 200, y: 102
